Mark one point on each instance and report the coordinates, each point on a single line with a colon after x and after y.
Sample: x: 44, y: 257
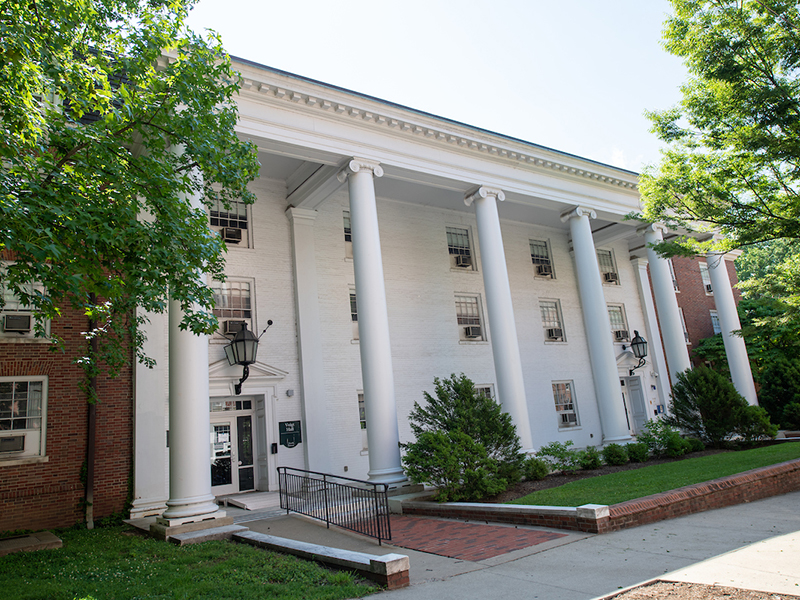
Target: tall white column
x: 654, y: 346
x: 505, y: 347
x: 373, y: 324
x: 309, y: 339
x: 735, y: 348
x: 667, y: 304
x: 598, y: 327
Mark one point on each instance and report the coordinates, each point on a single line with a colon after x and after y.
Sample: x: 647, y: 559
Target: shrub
x: 752, y: 423
x: 614, y: 454
x: 791, y: 416
x: 560, y: 457
x: 590, y: 458
x: 677, y: 446
x: 535, y: 468
x: 695, y: 445
x: 637, y: 452
x: 465, y: 444
x: 705, y: 405
x: 659, y: 436
x: 780, y: 386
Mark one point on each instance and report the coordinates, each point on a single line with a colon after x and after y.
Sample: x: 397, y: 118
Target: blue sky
x: 574, y: 75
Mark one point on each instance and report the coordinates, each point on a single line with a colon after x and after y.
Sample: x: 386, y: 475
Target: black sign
x: 290, y: 433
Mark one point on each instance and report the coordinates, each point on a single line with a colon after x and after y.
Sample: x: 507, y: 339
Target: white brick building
x: 432, y: 299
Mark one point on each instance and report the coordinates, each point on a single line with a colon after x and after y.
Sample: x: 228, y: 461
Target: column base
x: 617, y: 439
x: 195, y: 508
x: 165, y: 528
x: 393, y: 475
x: 153, y: 508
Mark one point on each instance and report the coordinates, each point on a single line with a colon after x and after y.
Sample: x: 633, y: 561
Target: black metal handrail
x: 360, y: 506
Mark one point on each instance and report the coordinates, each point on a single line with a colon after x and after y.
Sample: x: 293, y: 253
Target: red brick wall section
x: 50, y: 494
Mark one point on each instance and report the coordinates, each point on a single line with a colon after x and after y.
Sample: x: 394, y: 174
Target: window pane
x: 232, y: 299
x: 353, y: 308
x: 458, y: 241
x: 550, y: 314
x: 606, y: 261
x: 348, y: 234
x: 235, y: 217
x: 467, y: 310
x: 539, y: 253
x: 565, y: 407
x: 616, y: 317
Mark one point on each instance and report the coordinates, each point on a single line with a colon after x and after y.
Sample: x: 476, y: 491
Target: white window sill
x: 463, y: 270
x: 473, y: 342
x: 365, y: 453
x: 574, y: 428
x: 28, y: 460
x: 555, y: 342
x: 6, y: 338
x: 354, y: 341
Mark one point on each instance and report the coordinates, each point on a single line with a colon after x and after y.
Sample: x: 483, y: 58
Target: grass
x: 114, y: 564
x: 629, y: 485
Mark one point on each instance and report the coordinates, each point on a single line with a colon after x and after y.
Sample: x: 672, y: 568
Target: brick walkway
x: 464, y: 541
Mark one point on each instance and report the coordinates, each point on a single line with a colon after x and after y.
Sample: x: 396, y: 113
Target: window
x: 17, y: 318
x: 231, y: 223
x: 484, y: 391
x: 706, y: 277
x: 232, y: 305
x: 540, y: 257
x: 22, y: 416
x: 683, y: 324
x: 715, y: 322
x: 564, y: 397
x: 362, y: 418
x: 458, y: 245
x: 605, y: 259
x: 348, y: 235
x: 551, y: 321
x: 468, y: 315
x: 354, y: 313
x: 619, y: 328
x: 672, y: 273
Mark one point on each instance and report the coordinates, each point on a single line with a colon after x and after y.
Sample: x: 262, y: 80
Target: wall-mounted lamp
x: 242, y: 351
x: 639, y: 349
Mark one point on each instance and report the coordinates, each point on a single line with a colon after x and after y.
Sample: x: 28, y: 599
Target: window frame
x: 362, y: 420
x: 604, y: 268
x: 570, y: 387
x: 230, y: 217
x: 560, y: 320
x: 353, y: 313
x: 251, y: 320
x: 683, y: 325
x: 452, y: 250
x: 462, y: 334
x: 550, y: 262
x: 20, y: 309
x: 624, y: 319
x: 18, y: 457
x: 705, y: 277
x: 715, y: 323
x: 347, y: 230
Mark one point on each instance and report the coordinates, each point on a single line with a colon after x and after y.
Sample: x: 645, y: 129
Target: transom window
x: 605, y: 260
x: 468, y: 316
x: 540, y: 257
x: 22, y: 411
x: 564, y: 397
x: 459, y: 248
x: 551, y: 320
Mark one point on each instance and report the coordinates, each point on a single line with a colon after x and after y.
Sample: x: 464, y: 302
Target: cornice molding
x: 275, y: 92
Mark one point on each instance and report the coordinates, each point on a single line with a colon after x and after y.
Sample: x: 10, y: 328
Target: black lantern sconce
x: 242, y: 351
x: 639, y: 349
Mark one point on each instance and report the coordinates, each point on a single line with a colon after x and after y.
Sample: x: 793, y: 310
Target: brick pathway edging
x: 592, y: 518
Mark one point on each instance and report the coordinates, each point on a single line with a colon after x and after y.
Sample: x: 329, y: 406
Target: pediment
x: 626, y: 358
x: 222, y: 370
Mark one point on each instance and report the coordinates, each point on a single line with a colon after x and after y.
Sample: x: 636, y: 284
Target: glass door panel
x: 221, y: 459
x: 244, y: 433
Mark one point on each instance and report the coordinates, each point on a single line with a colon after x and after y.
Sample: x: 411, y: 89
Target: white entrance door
x: 232, y: 451
x: 636, y: 399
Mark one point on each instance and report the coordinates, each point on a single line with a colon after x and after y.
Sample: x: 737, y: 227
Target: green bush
x: 677, y: 446
x: 659, y: 437
x: 637, y: 452
x: 465, y: 444
x: 790, y: 419
x: 707, y: 406
x: 560, y: 456
x: 752, y: 424
x: 535, y: 469
x: 589, y: 459
x: 780, y: 386
x: 614, y: 455
x: 695, y: 445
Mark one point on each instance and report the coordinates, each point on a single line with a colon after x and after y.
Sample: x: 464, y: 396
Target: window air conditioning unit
x: 611, y: 277
x: 232, y: 235
x: 473, y: 332
x: 14, y: 443
x: 709, y: 289
x: 233, y: 327
x: 621, y: 335
x: 463, y: 260
x: 17, y: 323
x: 555, y: 333
x: 544, y: 270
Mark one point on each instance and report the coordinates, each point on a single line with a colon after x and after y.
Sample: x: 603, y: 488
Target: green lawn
x: 111, y: 563
x: 629, y: 485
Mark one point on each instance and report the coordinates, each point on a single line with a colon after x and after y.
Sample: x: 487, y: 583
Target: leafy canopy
x: 733, y: 159
x: 105, y: 138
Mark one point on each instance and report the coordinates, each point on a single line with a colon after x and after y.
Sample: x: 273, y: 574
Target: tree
x: 465, y: 444
x: 104, y: 140
x: 733, y: 161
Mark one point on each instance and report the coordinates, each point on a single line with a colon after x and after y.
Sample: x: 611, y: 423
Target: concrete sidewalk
x: 753, y: 546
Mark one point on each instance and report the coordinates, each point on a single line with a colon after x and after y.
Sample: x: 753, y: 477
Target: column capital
x: 357, y: 164
x: 483, y: 192
x: 651, y: 228
x: 299, y: 215
x: 578, y: 211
